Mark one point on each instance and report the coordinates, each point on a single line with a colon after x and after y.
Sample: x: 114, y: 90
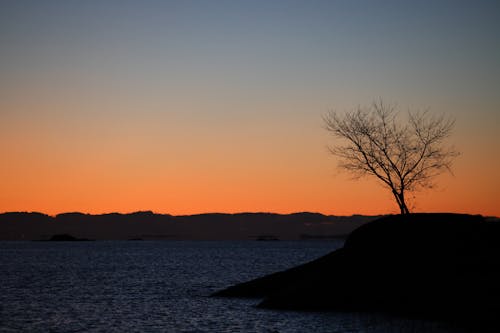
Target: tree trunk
x: 400, y: 199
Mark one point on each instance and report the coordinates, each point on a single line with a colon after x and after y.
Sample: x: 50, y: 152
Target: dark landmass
x: 433, y: 266
x: 267, y: 238
x: 66, y: 238
x: 148, y: 225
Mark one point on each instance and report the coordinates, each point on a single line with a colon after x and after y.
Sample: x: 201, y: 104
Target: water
x: 161, y: 286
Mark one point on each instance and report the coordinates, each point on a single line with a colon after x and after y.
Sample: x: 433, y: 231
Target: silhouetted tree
x: 404, y: 155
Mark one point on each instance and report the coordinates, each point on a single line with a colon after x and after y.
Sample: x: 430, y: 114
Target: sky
x: 188, y: 107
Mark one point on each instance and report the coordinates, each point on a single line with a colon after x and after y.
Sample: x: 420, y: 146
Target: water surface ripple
x: 161, y: 286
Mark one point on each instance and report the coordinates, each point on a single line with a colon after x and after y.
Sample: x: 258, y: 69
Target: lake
x: 162, y: 286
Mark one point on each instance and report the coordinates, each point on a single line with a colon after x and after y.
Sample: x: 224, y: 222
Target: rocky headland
x: 435, y: 266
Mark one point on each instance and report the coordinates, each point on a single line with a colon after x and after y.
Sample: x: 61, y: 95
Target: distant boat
x: 267, y: 238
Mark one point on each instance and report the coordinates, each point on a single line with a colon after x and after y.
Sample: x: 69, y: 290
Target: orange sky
x: 259, y: 167
x: 190, y: 109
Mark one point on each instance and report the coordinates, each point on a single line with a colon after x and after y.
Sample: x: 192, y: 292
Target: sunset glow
x: 185, y: 107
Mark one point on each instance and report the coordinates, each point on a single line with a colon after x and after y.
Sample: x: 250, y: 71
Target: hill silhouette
x: 439, y: 266
x: 148, y: 225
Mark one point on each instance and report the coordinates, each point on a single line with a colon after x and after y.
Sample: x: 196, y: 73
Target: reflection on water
x: 161, y: 286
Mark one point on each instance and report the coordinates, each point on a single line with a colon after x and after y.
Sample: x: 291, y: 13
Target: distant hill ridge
x: 149, y: 225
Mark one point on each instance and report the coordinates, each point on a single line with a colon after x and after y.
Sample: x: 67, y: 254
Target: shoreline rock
x: 66, y: 238
x: 436, y: 266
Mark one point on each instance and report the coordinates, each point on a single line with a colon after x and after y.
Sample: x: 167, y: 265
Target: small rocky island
x: 66, y: 238
x: 433, y: 266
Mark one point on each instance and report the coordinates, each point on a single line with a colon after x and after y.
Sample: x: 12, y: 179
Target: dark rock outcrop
x: 441, y: 266
x: 66, y: 238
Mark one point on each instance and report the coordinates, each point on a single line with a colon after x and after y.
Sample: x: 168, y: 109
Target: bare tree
x: 404, y: 155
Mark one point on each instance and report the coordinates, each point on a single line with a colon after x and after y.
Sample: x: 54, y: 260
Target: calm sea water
x: 161, y: 286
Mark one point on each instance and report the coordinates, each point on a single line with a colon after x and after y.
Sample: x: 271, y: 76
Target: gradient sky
x: 186, y: 107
